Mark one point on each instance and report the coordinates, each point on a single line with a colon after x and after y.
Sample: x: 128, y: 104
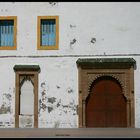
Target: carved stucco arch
x: 25, y: 78
x: 118, y: 78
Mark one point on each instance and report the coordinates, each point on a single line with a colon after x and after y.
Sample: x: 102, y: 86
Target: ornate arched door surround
x: 121, y: 69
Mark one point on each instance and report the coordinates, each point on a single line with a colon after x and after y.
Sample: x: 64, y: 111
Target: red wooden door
x: 106, y: 105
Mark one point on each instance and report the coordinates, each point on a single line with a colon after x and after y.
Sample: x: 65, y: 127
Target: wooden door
x: 106, y: 105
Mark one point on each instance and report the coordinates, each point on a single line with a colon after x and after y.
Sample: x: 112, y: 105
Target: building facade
x: 69, y: 64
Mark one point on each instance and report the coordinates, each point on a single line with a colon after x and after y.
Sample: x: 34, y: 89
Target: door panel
x: 106, y: 106
x: 99, y: 119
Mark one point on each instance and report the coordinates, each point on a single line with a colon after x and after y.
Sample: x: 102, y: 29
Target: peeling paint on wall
x: 7, y: 121
x: 52, y: 100
x: 6, y: 104
x: 42, y: 101
x: 54, y: 111
x: 6, y: 109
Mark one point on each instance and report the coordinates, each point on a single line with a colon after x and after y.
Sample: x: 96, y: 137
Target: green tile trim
x: 120, y: 63
x: 26, y: 68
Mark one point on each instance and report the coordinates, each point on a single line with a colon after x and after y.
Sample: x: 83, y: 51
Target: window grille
x: 6, y: 33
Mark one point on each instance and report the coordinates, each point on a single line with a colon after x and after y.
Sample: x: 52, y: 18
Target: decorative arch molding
x: 25, y: 78
x: 121, y: 69
x: 117, y: 77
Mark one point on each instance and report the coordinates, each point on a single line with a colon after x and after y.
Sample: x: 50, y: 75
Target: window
x: 48, y: 33
x: 8, y: 33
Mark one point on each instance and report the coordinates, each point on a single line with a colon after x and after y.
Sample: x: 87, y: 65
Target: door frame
x: 26, y: 70
x: 122, y: 69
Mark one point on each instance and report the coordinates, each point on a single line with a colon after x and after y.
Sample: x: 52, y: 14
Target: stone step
x: 70, y: 132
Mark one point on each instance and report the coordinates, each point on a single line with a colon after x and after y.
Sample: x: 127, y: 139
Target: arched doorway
x: 106, y: 106
x: 122, y: 69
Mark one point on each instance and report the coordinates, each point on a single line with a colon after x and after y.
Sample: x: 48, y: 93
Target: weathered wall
x: 59, y: 89
x: 85, y: 30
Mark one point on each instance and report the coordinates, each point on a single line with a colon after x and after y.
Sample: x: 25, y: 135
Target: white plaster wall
x: 60, y: 76
x: 115, y: 26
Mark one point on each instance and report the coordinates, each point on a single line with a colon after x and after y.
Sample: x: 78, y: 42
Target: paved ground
x: 70, y: 133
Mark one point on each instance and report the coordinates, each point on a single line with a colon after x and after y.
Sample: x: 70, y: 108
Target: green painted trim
x: 120, y: 63
x: 26, y: 68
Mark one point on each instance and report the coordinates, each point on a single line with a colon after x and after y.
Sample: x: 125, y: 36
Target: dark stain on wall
x: 73, y: 41
x: 72, y: 26
x: 5, y: 109
x: 42, y: 101
x: 75, y: 109
x: 93, y: 40
x: 70, y: 90
x: 70, y: 107
x: 3, y: 124
x: 8, y: 96
x: 52, y: 100
x: 65, y: 106
x: 4, y: 10
x: 58, y: 103
x: 42, y: 106
x: 50, y: 109
x: 57, y: 86
x: 43, y: 84
x: 53, y: 3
